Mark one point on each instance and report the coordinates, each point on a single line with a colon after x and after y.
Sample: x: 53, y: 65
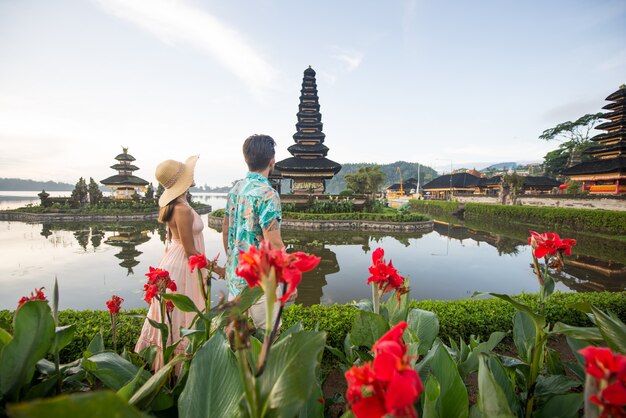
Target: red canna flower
x: 158, y: 282
x: 256, y: 264
x: 114, y: 304
x: 385, y: 275
x: 549, y: 244
x: 388, y: 386
x: 197, y: 261
x: 36, y: 295
x: 169, y: 306
x: 609, y: 370
x: 150, y: 292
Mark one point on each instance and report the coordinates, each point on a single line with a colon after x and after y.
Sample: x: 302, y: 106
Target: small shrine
x: 125, y: 184
x: 308, y: 168
x: 607, y: 173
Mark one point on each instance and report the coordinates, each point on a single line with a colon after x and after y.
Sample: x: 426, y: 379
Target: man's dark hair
x: 258, y: 150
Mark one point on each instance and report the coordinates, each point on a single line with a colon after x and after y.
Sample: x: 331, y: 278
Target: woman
x: 184, y: 239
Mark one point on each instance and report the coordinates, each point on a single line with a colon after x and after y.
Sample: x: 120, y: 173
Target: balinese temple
x: 125, y: 184
x: 127, y: 238
x: 308, y: 168
x: 607, y: 173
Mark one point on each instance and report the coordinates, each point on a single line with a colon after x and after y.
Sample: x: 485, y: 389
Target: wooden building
x: 607, y: 173
x: 308, y: 168
x: 124, y: 184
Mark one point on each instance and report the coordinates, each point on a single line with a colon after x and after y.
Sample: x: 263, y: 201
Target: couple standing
x: 252, y: 214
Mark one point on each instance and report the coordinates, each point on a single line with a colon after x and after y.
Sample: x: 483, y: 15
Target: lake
x: 94, y: 261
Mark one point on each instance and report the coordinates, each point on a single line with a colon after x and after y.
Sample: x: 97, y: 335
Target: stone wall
x: 592, y: 202
x: 299, y: 225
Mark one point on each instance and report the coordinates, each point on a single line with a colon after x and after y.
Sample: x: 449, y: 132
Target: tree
x: 95, y: 195
x: 80, y: 193
x: 159, y: 192
x: 150, y: 192
x: 514, y: 183
x: 575, y: 140
x: 367, y: 180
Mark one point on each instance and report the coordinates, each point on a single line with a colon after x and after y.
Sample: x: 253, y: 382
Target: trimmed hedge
x: 457, y: 318
x: 433, y: 207
x: 588, y: 220
x: 356, y: 216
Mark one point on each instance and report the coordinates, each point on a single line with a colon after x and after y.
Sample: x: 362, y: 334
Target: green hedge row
x: 351, y: 216
x: 458, y: 318
x: 588, y: 220
x: 433, y: 207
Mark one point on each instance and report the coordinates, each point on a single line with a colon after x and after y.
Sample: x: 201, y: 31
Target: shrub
x: 357, y: 216
x: 218, y: 213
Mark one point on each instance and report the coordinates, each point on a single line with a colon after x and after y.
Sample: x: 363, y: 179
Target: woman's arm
x: 183, y: 217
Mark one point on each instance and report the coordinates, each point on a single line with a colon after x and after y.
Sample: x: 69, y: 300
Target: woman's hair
x: 166, y: 212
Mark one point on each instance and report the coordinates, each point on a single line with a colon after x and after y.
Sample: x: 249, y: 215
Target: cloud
x: 349, y: 59
x: 179, y: 22
x: 614, y: 63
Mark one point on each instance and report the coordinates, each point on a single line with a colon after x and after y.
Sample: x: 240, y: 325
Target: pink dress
x: 175, y: 261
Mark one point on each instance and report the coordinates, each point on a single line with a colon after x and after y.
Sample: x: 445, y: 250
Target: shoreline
x: 10, y: 215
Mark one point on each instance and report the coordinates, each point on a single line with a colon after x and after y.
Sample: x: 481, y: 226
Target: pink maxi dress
x: 175, y: 261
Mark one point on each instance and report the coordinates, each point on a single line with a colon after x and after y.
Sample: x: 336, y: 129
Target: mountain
x: 501, y: 167
x: 408, y: 170
x: 13, y: 184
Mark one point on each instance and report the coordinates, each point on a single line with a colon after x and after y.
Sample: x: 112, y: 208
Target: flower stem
x: 114, y: 332
x: 245, y: 375
x: 267, y: 343
x: 375, y: 299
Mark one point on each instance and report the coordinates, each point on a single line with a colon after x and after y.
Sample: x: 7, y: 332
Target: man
x: 252, y: 214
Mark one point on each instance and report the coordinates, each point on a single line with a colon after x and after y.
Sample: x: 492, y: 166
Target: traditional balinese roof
x: 600, y: 149
x: 122, y: 180
x: 540, y: 181
x: 309, y: 153
x: 125, y: 167
x: 620, y: 94
x: 615, y: 123
x: 410, y: 183
x: 458, y: 181
x: 125, y: 157
x: 605, y: 165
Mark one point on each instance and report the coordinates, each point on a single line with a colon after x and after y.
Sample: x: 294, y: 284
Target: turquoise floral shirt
x: 251, y: 205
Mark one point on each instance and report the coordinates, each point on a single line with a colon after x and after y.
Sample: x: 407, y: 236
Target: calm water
x: 92, y: 262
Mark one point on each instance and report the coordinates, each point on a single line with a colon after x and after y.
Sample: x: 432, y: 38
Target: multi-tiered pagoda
x: 606, y: 174
x: 309, y: 167
x: 125, y: 184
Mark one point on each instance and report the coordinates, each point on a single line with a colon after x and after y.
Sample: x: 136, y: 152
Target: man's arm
x: 225, y: 233
x: 272, y: 233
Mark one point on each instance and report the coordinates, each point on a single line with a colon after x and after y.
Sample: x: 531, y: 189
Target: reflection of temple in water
x: 504, y: 244
x: 127, y: 238
x: 310, y: 290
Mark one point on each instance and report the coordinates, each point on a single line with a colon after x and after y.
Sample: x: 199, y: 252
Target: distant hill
x: 501, y: 167
x: 408, y: 170
x: 12, y: 184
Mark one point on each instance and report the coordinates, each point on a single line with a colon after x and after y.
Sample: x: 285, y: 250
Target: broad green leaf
x: 423, y: 328
x: 553, y: 362
x: 128, y: 390
x: 537, y: 319
x: 286, y: 384
x: 213, y: 388
x: 149, y: 390
x: 112, y: 370
x: 96, y: 345
x: 397, y: 310
x: 613, y: 330
x: 182, y: 302
x: 367, y: 328
x: 576, y: 345
x: 364, y: 305
x: 5, y: 337
x: 41, y: 389
x: 33, y: 335
x: 297, y: 327
x: 505, y: 380
x: 561, y: 406
x: 453, y: 400
x: 62, y: 337
x: 492, y: 400
x: 470, y: 365
x: 430, y: 396
x: 548, y: 286
x: 97, y: 404
x: 580, y: 333
x: 524, y: 335
x: 314, y: 407
x: 554, y: 385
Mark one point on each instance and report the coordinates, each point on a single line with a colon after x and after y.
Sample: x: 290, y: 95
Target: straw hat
x: 176, y: 177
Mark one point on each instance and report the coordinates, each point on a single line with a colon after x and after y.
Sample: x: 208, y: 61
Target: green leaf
x: 95, y: 346
x: 364, y: 305
x: 423, y: 328
x: 580, y: 333
x: 182, y: 302
x: 561, y: 406
x: 524, y: 333
x: 112, y: 370
x: 453, y: 400
x: 98, y: 404
x: 5, y: 338
x: 430, y: 396
x: 149, y: 390
x: 367, y: 328
x: 213, y: 388
x: 397, y: 311
x: 470, y: 365
x: 314, y: 407
x: 126, y: 392
x: 553, y: 362
x: 554, y: 385
x: 33, y: 335
x: 505, y: 380
x: 613, y: 330
x: 285, y: 386
x: 492, y: 400
x: 62, y: 337
x: 537, y: 319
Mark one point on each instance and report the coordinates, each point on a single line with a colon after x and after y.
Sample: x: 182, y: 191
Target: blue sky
x: 432, y: 82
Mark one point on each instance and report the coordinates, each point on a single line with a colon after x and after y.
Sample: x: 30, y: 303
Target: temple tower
x: 606, y: 174
x: 124, y: 184
x: 309, y: 167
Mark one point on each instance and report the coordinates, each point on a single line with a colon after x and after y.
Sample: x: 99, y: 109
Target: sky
x: 436, y: 82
